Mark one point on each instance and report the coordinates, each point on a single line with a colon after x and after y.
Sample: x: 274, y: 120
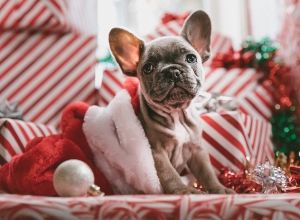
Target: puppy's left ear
x: 126, y: 48
x: 197, y: 30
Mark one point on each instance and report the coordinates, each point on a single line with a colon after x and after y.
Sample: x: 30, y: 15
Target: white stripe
x: 260, y: 105
x: 81, y: 97
x: 249, y: 109
x: 9, y: 47
x: 10, y: 138
x: 106, y: 95
x: 18, y: 132
x: 66, y: 96
x: 175, y: 26
x: 37, y: 132
x: 25, y: 61
x: 265, y: 94
x: 59, y: 89
x: 6, y: 9
x: 27, y: 131
x: 214, y: 76
x: 54, y: 76
x: 226, y: 80
x: 231, y: 149
x: 29, y: 73
x: 44, y: 129
x: 241, y: 79
x: 18, y: 55
x: 111, y: 83
x: 33, y: 12
x: 219, y: 156
x: 4, y: 153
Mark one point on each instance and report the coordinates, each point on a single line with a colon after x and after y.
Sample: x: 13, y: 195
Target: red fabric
x: 131, y: 84
x: 32, y: 171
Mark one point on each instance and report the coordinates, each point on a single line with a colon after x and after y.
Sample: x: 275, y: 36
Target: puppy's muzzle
x: 172, y: 73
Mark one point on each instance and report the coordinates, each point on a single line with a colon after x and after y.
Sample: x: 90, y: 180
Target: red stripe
x: 232, y: 81
x: 108, y: 89
x: 215, y: 162
x: 8, y: 14
x: 25, y: 134
x: 7, y: 145
x: 15, y: 135
x: 114, y: 78
x: 211, y: 87
x: 3, y: 4
x: 56, y: 5
x: 222, y: 150
x: 8, y: 41
x: 226, y: 134
x: 210, y: 71
x: 59, y: 110
x: 25, y: 14
x: 58, y: 96
x: 59, y: 80
x: 40, y: 69
x: 26, y: 53
x: 263, y: 100
x: 238, y: 126
x: 103, y: 100
x: 15, y: 48
x: 256, y: 108
x: 41, y: 130
x: 244, y: 85
x: 36, y: 17
x: 23, y: 71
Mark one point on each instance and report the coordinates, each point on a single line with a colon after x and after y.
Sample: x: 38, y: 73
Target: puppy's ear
x: 197, y: 31
x: 126, y: 48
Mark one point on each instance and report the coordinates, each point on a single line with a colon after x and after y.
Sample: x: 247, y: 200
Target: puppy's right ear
x: 127, y: 49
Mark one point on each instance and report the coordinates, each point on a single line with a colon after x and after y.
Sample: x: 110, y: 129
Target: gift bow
x: 215, y: 102
x: 9, y: 110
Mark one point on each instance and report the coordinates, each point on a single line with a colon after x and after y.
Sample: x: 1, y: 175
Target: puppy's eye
x: 148, y: 68
x: 191, y: 58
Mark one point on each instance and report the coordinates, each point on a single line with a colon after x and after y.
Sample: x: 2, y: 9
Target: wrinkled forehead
x: 166, y: 48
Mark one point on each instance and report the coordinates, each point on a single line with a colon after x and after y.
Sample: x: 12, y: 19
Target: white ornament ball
x: 73, y: 178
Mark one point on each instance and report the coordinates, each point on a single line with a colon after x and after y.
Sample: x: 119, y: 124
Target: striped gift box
x: 34, y: 15
x: 253, y: 98
x: 234, y: 139
x: 43, y: 72
x: 15, y: 134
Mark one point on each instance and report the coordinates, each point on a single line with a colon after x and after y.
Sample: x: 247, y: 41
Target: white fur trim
x: 121, y: 150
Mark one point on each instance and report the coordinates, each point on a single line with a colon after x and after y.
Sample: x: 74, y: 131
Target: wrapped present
x: 234, y: 140
x: 253, y: 98
x: 259, y: 206
x: 34, y: 15
x: 15, y: 134
x: 43, y: 72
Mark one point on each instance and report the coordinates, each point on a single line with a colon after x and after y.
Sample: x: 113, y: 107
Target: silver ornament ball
x: 73, y: 178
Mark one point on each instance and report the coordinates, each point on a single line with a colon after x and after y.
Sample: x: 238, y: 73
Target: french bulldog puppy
x: 170, y: 73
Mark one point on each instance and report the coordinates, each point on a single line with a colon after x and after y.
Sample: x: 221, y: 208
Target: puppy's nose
x: 174, y: 73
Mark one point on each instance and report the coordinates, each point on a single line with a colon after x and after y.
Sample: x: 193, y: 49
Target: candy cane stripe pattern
x: 15, y: 134
x: 43, y: 72
x: 33, y: 14
x: 243, y: 207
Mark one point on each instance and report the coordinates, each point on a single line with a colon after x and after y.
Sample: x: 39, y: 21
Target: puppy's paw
x: 221, y: 190
x: 188, y: 190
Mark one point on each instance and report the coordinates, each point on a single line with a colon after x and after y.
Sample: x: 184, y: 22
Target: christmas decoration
x: 272, y: 179
x: 9, y: 110
x: 74, y: 178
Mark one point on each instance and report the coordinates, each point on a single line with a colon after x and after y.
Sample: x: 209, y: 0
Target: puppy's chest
x: 181, y: 146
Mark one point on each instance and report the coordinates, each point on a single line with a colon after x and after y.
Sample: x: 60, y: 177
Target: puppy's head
x: 169, y: 68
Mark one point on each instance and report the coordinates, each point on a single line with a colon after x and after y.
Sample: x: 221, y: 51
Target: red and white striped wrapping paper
x: 242, y: 207
x: 233, y: 138
x: 39, y: 15
x: 252, y: 97
x: 44, y: 72
x: 15, y: 134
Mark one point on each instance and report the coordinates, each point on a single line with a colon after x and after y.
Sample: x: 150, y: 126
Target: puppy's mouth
x: 177, y: 97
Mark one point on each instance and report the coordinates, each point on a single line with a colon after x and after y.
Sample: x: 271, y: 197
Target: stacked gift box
x: 45, y: 61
